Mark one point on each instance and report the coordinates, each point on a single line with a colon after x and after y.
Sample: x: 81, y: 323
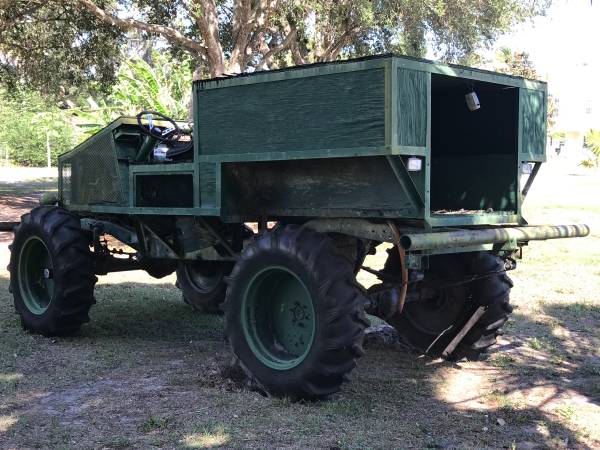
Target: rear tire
x: 294, y: 314
x: 429, y: 324
x: 202, y: 285
x: 51, y: 272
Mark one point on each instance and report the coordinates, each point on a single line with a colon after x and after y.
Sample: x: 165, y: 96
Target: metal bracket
x: 403, y: 177
x: 124, y: 234
x: 155, y: 245
x: 223, y: 242
x: 532, y: 175
x: 361, y: 228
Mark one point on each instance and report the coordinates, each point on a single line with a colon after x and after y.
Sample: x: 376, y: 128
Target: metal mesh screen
x: 94, y: 175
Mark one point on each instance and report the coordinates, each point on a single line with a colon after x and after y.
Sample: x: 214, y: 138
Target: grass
x: 147, y: 372
x: 567, y: 411
x: 502, y: 360
x: 154, y: 423
x: 207, y: 437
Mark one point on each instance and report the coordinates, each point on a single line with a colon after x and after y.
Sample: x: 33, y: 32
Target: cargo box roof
x: 417, y: 61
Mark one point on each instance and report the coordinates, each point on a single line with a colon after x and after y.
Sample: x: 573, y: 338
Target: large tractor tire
x: 202, y: 285
x: 51, y: 272
x: 294, y: 314
x: 429, y: 324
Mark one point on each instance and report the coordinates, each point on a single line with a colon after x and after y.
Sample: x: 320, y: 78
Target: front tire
x: 51, y: 272
x: 294, y: 314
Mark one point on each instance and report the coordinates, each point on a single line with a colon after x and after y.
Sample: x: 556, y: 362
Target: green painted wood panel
x: 338, y: 110
x: 533, y: 125
x: 342, y: 187
x: 412, y: 107
x: 208, y: 184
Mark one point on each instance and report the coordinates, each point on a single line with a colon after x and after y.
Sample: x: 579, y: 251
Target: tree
x: 54, y: 46
x: 516, y: 63
x: 34, y: 124
x: 157, y: 83
x: 78, y: 37
x: 520, y: 64
x: 30, y: 126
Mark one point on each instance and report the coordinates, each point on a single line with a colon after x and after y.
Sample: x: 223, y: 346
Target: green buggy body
x: 329, y: 161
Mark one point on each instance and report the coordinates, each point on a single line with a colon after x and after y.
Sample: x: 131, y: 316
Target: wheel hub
x: 437, y: 309
x: 35, y: 271
x: 278, y: 318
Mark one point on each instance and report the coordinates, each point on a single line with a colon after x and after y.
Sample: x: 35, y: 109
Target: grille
x: 93, y: 175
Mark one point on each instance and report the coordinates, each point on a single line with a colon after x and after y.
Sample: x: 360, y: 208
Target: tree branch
x: 283, y: 45
x: 332, y: 51
x: 23, y: 13
x: 242, y: 25
x: 171, y: 34
x: 207, y: 18
x: 297, y: 56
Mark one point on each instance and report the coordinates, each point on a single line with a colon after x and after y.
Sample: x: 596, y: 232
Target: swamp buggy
x: 329, y: 160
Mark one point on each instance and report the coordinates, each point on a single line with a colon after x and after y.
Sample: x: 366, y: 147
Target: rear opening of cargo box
x: 473, y: 153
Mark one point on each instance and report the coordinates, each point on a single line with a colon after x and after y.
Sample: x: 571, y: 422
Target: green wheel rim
x: 278, y: 318
x: 36, y: 272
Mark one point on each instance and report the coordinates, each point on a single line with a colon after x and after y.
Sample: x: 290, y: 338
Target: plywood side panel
x: 412, y: 107
x: 339, y: 110
x: 208, y: 184
x: 363, y: 187
x: 533, y: 125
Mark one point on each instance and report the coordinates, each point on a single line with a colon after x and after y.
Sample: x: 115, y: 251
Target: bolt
x: 47, y: 274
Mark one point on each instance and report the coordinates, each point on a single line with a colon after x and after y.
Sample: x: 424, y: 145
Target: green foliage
x: 163, y: 84
x: 29, y: 124
x: 519, y: 64
x: 64, y: 47
x: 592, y: 143
x: 154, y: 423
x: 587, y: 164
x: 56, y: 48
x: 72, y: 50
x: 516, y: 63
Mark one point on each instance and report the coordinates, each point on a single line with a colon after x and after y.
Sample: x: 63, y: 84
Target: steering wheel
x: 169, y: 135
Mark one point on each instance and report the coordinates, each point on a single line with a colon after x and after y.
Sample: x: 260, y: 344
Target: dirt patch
x: 19, y: 197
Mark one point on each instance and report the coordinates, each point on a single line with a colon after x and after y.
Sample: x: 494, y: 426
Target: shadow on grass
x: 148, y: 311
x: 563, y: 351
x: 142, y: 373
